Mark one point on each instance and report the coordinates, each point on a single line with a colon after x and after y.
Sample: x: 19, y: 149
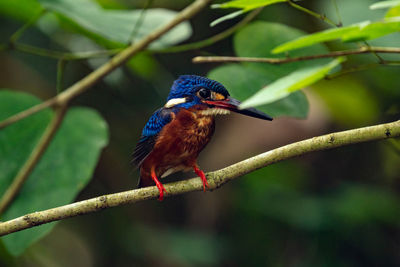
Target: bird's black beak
x: 233, y: 105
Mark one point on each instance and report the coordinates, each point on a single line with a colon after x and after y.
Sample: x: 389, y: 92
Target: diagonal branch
x: 33, y: 159
x: 115, y: 62
x: 215, y: 179
x: 361, y: 50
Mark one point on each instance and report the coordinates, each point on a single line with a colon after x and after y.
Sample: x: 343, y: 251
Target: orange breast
x: 180, y: 142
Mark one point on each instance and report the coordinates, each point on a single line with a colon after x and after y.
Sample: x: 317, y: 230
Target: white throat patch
x: 215, y: 111
x: 174, y: 101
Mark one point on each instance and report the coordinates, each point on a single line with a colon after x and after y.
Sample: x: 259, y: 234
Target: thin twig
x: 119, y: 59
x: 340, y: 23
x: 23, y: 114
x: 30, y: 49
x: 17, y: 34
x: 212, y: 40
x: 33, y: 159
x: 215, y: 179
x: 361, y: 50
x: 312, y: 13
x: 139, y: 21
x: 60, y: 74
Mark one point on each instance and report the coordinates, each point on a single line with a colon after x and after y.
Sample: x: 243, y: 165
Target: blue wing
x: 157, y: 121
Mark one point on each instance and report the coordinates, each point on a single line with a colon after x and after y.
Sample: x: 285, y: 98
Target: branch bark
x: 361, y: 50
x: 215, y: 179
x: 119, y: 59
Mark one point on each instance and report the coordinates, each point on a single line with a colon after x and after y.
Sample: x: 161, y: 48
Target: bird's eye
x: 204, y: 93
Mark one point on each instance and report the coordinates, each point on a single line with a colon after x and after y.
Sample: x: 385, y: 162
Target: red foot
x: 159, y: 185
x: 201, y: 174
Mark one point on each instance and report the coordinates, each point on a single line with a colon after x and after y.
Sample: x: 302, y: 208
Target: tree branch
x: 215, y: 179
x: 361, y: 50
x: 33, y: 159
x: 119, y: 59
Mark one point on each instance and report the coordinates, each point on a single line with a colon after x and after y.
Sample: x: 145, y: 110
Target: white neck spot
x: 174, y: 101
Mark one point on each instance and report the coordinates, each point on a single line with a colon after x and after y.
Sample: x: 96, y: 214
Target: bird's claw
x: 202, y: 176
x: 162, y: 190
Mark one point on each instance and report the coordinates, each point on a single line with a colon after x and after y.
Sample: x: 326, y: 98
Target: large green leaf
x: 119, y: 25
x: 288, y: 84
x: 361, y: 31
x: 244, y: 80
x: 244, y: 5
x: 64, y: 170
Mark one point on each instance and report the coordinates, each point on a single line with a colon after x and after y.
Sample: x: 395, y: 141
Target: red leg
x: 201, y: 174
x: 158, y: 184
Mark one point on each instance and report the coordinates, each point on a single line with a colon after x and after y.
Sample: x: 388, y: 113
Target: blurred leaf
x: 385, y: 4
x: 294, y: 81
x: 119, y: 25
x: 64, y: 170
x: 242, y: 82
x: 185, y: 247
x: 21, y: 9
x: 393, y: 12
x: 349, y: 101
x: 245, y: 5
x: 361, y: 204
x: 361, y: 31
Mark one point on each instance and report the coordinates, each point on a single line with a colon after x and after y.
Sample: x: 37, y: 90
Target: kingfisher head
x: 191, y: 90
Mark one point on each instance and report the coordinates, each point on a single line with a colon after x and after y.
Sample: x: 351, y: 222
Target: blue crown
x: 187, y: 85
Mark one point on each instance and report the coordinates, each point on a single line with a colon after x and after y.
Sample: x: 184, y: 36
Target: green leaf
x: 290, y: 83
x: 244, y: 80
x: 360, y: 31
x: 64, y: 170
x: 118, y: 25
x: 385, y: 4
x: 393, y: 12
x: 21, y: 9
x: 245, y: 5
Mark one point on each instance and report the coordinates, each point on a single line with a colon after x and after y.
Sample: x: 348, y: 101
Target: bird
x: 175, y: 134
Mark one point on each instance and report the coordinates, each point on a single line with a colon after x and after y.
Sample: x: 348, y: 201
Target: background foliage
x: 327, y: 209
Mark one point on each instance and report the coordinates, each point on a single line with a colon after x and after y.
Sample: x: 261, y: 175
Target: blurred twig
x: 139, y: 22
x: 16, y: 35
x: 212, y: 40
x: 314, y: 14
x: 33, y: 159
x: 30, y: 49
x: 361, y: 50
x: 340, y: 23
x: 119, y: 59
x: 215, y: 179
x: 60, y: 74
